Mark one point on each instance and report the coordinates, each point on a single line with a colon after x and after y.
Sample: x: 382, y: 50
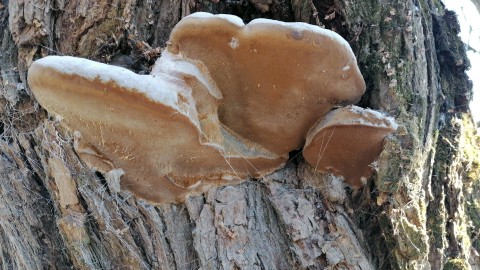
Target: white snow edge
x: 154, y: 88
x: 294, y: 26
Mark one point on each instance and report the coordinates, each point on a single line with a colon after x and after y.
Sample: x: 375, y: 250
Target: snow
x: 294, y: 26
x: 383, y: 119
x: 300, y: 26
x: 230, y: 18
x: 156, y: 89
x: 234, y: 43
x: 170, y: 63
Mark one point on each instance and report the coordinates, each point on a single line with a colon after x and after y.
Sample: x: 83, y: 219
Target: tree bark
x: 421, y: 210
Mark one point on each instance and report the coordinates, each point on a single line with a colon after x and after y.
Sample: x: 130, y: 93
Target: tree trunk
x: 420, y: 211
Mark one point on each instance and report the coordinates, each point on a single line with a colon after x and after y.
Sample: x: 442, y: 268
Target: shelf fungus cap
x: 277, y: 79
x: 148, y: 126
x: 347, y: 141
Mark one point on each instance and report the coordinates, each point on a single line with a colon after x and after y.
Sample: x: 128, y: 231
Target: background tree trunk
x: 421, y: 210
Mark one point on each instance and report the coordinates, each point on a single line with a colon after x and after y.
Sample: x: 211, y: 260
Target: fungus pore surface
x: 224, y: 102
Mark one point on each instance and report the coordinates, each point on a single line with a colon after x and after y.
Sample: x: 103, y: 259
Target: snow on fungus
x: 221, y: 104
x: 347, y: 141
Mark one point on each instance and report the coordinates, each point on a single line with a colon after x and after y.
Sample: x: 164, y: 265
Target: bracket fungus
x: 224, y: 102
x: 347, y: 141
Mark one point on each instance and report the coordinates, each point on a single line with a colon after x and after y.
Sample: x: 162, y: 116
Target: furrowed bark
x: 419, y: 212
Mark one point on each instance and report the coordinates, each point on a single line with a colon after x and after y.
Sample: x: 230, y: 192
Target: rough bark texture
x: 420, y: 211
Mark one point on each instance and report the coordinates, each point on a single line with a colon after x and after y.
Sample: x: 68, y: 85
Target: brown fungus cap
x: 277, y: 79
x: 347, y: 141
x: 146, y: 125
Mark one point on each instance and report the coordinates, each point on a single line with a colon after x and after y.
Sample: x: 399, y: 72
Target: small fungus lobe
x: 207, y: 115
x: 347, y: 141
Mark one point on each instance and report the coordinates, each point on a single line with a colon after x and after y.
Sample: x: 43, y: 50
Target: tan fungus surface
x: 347, y: 141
